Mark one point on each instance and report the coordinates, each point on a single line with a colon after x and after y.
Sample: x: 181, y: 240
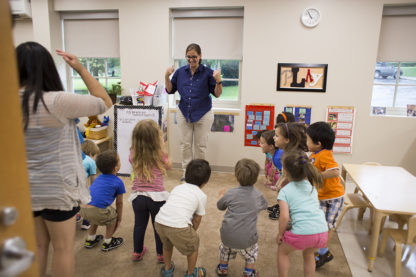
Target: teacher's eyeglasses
x: 191, y: 57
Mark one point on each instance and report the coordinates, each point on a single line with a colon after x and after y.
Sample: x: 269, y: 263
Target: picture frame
x: 301, y: 77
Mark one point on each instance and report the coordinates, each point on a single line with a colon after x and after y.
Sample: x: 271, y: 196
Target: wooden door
x: 14, y: 185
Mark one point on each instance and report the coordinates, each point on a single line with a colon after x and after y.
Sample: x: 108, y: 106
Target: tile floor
x: 355, y: 239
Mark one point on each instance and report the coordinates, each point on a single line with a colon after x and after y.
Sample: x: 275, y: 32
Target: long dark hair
x: 38, y: 74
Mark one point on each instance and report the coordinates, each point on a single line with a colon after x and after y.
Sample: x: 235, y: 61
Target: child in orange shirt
x: 320, y: 138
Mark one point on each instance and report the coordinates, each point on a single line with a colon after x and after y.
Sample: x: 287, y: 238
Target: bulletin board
x: 125, y: 119
x: 257, y: 118
x: 341, y: 120
x: 302, y: 113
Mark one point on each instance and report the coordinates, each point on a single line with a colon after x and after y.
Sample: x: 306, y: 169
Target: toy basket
x: 97, y: 133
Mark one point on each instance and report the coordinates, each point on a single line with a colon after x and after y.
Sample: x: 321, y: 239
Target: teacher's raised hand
x: 168, y: 84
x: 169, y: 71
x: 217, y: 75
x: 218, y: 87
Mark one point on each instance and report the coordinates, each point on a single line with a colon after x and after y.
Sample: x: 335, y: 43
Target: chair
x: 351, y: 201
x: 399, y: 237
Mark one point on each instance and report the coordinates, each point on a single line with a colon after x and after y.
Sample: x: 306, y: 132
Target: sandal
x: 198, y: 272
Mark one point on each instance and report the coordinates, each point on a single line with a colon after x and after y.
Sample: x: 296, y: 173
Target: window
x: 394, y: 86
x: 94, y: 38
x: 219, y: 32
x: 105, y: 70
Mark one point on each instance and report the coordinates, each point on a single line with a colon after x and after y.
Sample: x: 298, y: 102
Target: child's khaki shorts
x: 185, y: 240
x: 99, y: 216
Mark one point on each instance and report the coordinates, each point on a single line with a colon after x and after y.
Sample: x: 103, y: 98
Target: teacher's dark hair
x: 37, y: 74
x: 195, y: 47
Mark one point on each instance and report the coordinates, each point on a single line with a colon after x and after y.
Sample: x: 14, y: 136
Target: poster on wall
x: 257, y: 118
x: 341, y: 120
x: 302, y: 77
x: 223, y: 122
x: 302, y: 113
x: 125, y: 119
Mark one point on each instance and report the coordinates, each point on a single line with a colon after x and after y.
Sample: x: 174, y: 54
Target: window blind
x: 397, y: 38
x: 98, y: 38
x: 218, y: 32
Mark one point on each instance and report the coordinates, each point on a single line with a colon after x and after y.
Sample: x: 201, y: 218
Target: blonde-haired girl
x: 149, y: 162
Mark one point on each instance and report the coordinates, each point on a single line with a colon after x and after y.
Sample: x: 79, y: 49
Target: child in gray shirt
x: 238, y: 231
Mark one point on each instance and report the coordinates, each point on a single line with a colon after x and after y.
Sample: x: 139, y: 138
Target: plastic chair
x: 351, y: 201
x: 399, y: 237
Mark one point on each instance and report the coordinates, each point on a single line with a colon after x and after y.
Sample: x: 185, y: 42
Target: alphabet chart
x: 341, y: 120
x: 257, y: 118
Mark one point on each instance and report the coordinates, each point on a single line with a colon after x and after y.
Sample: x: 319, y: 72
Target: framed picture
x: 301, y: 77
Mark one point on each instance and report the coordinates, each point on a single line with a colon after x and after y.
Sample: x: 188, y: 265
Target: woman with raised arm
x: 56, y: 174
x: 195, y: 84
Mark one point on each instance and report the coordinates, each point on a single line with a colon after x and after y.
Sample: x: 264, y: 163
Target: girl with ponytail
x: 298, y: 201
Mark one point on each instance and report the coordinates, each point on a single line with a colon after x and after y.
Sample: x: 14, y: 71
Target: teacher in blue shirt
x: 195, y: 83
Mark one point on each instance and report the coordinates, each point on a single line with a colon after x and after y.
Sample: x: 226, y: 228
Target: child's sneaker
x: 323, y: 259
x: 160, y: 259
x: 198, y: 272
x: 275, y: 214
x: 78, y: 218
x: 168, y: 273
x: 221, y: 272
x: 92, y: 243
x: 85, y: 224
x: 252, y: 274
x: 139, y: 256
x: 114, y: 243
x: 272, y: 208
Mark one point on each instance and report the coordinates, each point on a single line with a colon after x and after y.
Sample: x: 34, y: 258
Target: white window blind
x: 92, y: 37
x: 397, y: 38
x: 218, y: 32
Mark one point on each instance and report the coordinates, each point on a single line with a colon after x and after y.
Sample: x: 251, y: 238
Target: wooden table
x: 390, y: 190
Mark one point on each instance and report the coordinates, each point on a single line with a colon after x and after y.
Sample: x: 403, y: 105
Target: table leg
x: 374, y: 239
x: 344, y: 174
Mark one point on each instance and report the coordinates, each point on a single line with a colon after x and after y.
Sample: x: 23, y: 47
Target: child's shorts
x: 56, y: 215
x: 249, y: 254
x: 185, y: 240
x: 99, y: 216
x: 301, y: 242
x: 331, y: 208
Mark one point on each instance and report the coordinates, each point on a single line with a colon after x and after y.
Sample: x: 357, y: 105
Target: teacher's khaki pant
x: 194, y: 135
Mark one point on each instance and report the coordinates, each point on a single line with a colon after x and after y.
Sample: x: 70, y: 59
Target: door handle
x: 8, y: 215
x: 14, y: 257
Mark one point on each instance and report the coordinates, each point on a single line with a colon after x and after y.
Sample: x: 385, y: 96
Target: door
x: 14, y: 185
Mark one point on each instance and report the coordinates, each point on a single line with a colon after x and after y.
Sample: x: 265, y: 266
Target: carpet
x: 94, y: 262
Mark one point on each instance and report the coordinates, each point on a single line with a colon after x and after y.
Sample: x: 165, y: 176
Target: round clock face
x: 311, y: 17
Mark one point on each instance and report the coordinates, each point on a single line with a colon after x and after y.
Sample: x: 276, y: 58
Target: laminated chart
x: 302, y: 113
x: 257, y: 118
x: 341, y: 120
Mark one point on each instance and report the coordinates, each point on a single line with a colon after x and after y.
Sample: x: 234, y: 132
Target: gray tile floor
x: 355, y: 240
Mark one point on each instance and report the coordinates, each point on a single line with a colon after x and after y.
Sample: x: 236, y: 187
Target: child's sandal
x: 169, y: 272
x: 198, y: 272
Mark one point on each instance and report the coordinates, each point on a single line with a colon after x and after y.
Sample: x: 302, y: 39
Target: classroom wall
x: 346, y: 39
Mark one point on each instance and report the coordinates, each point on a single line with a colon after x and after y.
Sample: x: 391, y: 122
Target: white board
x: 125, y: 119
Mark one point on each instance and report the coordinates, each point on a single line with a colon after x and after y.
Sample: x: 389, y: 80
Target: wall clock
x: 311, y: 17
